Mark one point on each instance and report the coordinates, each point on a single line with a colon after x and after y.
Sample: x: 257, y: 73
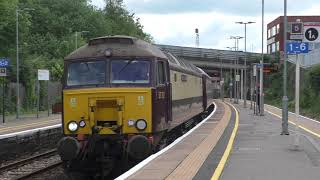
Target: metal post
x: 235, y: 74
x: 245, y: 62
x: 251, y: 74
x: 230, y: 84
x: 245, y: 66
x: 237, y: 70
x: 241, y: 84
x: 257, y: 95
x: 297, y: 93
x: 221, y: 79
x: 3, y: 101
x: 285, y: 98
x: 261, y: 62
x: 76, y: 40
x: 48, y: 103
x: 17, y: 43
x: 38, y: 98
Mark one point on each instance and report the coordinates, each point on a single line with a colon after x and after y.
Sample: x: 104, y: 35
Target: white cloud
x: 173, y: 22
x: 214, y: 29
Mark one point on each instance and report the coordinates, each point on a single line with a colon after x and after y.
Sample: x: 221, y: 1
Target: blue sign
x: 4, y: 62
x: 297, y: 47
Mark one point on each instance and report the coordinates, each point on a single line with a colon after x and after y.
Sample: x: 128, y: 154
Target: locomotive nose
x: 68, y: 148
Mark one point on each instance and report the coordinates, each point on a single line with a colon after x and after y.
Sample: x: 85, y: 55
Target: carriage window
x: 130, y: 71
x: 86, y: 73
x: 160, y: 73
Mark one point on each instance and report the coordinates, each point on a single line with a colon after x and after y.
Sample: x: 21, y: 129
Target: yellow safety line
x: 302, y: 127
x: 27, y: 125
x: 217, y: 173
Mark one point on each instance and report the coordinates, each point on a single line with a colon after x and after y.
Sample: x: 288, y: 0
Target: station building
x: 275, y: 30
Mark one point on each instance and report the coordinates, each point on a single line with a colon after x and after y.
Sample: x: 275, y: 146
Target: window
x: 278, y: 28
x: 183, y: 77
x: 269, y: 33
x: 86, y: 73
x: 160, y: 73
x: 130, y: 71
x: 273, y: 47
x: 277, y: 46
x: 175, y: 77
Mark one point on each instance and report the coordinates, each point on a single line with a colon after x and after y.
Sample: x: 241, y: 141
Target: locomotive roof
x: 121, y: 46
x: 127, y: 46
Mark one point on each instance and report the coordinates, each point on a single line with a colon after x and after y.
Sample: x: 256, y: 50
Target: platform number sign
x: 297, y: 47
x: 311, y: 33
x: 296, y: 28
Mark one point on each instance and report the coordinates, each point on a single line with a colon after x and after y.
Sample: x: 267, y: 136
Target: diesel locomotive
x: 121, y: 97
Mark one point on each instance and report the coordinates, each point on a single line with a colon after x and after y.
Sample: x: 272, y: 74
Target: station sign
x: 298, y: 37
x: 311, y: 33
x: 3, y: 72
x: 297, y: 47
x: 237, y: 77
x: 296, y: 28
x: 43, y: 74
x: 4, y: 62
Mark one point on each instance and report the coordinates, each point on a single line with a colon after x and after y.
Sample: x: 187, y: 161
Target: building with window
x: 275, y: 30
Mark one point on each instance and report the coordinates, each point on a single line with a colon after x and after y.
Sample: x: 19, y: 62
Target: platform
x: 260, y: 152
x: 186, y: 157
x: 30, y: 123
x: 239, y: 145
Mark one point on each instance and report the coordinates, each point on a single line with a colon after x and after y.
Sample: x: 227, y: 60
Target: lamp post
x: 76, y: 34
x: 17, y: 56
x: 245, y: 61
x: 285, y: 98
x: 236, y: 38
x: 221, y: 79
x: 261, y: 105
x: 230, y: 86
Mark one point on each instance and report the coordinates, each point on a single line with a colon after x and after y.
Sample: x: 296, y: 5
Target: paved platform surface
x: 261, y: 153
x: 23, y: 124
x: 184, y: 160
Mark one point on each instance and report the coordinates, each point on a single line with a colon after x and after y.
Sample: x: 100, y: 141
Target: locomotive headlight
x: 141, y: 124
x: 73, y: 126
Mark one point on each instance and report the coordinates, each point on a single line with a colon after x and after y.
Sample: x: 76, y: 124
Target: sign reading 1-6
x: 297, y: 47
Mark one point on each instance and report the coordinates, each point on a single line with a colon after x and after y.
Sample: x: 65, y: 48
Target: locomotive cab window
x: 130, y: 71
x: 161, y: 78
x: 86, y: 73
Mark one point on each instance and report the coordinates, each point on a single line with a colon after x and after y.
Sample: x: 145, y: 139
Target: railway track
x: 30, y: 167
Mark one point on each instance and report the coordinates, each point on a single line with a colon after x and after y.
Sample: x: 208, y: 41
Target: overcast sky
x: 173, y: 22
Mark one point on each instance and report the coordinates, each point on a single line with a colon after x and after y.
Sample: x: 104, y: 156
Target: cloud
x: 231, y: 7
x: 215, y: 29
x: 173, y: 22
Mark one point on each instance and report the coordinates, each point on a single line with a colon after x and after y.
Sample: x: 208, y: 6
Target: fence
x: 49, y: 95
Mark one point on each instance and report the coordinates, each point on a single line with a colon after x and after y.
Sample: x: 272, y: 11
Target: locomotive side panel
x: 186, y: 96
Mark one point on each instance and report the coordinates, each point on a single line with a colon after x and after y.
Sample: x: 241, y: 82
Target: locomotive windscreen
x: 86, y: 73
x: 130, y: 71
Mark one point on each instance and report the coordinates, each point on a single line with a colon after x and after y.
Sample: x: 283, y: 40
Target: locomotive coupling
x: 68, y: 148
